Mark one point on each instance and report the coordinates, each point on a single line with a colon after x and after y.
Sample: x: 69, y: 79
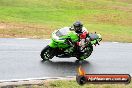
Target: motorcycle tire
x: 82, y: 57
x: 47, y: 53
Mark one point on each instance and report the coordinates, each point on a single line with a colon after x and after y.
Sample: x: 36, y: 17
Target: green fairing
x: 60, y: 43
x: 59, y: 37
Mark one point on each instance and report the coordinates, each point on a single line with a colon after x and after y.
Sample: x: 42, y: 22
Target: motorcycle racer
x: 82, y: 34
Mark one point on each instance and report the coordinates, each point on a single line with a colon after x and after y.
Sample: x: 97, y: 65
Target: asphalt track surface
x: 20, y: 59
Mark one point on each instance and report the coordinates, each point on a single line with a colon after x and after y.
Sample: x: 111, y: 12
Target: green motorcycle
x: 64, y: 44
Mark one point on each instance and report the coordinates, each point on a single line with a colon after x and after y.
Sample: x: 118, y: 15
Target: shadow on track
x: 77, y: 62
x: 67, y: 65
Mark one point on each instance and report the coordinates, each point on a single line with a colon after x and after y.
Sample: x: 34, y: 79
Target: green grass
x: 73, y: 84
x: 38, y: 18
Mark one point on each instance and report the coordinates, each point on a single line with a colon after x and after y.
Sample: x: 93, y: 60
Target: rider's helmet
x: 78, y: 27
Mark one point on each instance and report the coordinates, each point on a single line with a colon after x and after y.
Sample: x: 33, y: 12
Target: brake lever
x: 97, y: 43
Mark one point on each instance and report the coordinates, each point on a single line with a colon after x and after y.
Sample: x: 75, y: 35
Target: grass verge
x: 38, y: 18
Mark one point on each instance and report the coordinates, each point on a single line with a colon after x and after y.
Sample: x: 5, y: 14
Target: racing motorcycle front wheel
x: 86, y: 54
x: 47, y: 53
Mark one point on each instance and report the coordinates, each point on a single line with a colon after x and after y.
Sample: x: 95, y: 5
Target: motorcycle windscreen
x: 62, y: 32
x: 66, y: 32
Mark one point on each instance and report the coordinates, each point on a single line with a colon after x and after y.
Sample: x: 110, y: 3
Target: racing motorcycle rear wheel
x: 47, y: 53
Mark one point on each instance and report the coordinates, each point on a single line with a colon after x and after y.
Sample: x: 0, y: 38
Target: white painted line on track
x: 8, y: 83
x: 42, y: 78
x: 29, y: 38
x: 46, y: 39
x: 115, y: 42
x: 21, y: 38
